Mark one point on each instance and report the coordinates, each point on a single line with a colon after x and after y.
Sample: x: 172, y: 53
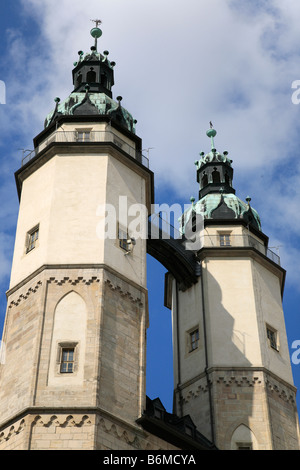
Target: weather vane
x: 97, y: 22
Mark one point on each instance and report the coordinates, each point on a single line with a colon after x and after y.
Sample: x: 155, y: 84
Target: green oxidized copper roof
x: 213, y: 155
x: 103, y: 105
x: 219, y: 203
x: 86, y: 101
x: 209, y: 203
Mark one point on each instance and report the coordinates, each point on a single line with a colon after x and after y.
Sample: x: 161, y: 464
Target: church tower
x: 232, y: 370
x: 77, y: 312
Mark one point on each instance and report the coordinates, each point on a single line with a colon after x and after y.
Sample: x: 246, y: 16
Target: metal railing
x: 238, y: 241
x: 87, y: 137
x: 161, y: 228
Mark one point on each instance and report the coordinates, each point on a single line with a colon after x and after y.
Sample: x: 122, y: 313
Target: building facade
x: 77, y: 305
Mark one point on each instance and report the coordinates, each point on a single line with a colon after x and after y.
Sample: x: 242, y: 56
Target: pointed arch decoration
x: 68, y: 331
x: 243, y: 438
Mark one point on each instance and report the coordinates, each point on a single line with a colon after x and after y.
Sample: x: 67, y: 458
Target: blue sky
x: 178, y: 67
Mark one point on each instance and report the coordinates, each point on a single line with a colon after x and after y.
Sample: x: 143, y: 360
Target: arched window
x: 227, y: 178
x: 216, y: 176
x: 91, y: 76
x: 204, y: 181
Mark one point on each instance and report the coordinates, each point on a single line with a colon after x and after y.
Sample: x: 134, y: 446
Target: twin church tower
x: 74, y: 371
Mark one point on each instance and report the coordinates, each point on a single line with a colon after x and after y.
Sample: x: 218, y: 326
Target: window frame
x: 194, y: 339
x: 61, y: 347
x: 272, y: 337
x: 86, y: 132
x: 226, y: 241
x: 66, y: 362
x: 30, y: 244
x: 192, y: 345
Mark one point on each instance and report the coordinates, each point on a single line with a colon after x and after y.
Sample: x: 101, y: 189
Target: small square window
x: 32, y: 238
x: 272, y: 338
x: 194, y: 339
x: 83, y: 136
x: 67, y: 360
x: 225, y: 239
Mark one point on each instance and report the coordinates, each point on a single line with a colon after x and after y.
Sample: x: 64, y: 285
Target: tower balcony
x: 229, y: 241
x: 86, y: 138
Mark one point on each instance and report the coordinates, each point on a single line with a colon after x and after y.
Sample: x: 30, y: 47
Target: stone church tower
x: 232, y: 370
x: 77, y: 310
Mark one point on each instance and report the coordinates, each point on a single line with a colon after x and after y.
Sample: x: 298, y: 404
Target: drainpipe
x: 206, y: 358
x: 178, y: 354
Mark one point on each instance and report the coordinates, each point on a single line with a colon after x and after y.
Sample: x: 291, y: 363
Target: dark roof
x: 180, y: 432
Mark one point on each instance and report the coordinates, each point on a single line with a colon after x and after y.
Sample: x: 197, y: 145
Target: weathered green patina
x: 217, y: 199
x: 93, y: 78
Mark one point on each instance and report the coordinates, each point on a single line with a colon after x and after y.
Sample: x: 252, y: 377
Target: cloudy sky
x: 179, y: 65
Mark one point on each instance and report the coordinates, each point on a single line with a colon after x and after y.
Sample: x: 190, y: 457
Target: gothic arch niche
x: 243, y: 439
x: 69, y: 330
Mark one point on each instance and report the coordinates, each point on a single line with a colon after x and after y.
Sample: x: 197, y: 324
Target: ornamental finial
x: 96, y: 32
x: 211, y: 133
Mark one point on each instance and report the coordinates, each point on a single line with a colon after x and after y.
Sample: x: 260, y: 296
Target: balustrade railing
x: 85, y: 137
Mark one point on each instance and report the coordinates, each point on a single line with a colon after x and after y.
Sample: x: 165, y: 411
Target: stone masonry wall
x: 84, y: 431
x: 114, y: 355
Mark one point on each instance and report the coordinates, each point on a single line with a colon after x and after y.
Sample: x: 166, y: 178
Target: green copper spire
x: 211, y: 133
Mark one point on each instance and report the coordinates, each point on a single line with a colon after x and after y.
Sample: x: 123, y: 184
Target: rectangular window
x: 272, y: 337
x: 194, y: 340
x: 225, y: 239
x: 245, y: 446
x: 32, y: 238
x: 83, y: 136
x: 67, y: 360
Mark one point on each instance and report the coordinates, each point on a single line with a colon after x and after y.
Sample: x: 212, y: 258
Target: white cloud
x: 179, y: 66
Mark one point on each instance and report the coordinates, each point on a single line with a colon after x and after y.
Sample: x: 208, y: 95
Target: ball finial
x: 96, y: 33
